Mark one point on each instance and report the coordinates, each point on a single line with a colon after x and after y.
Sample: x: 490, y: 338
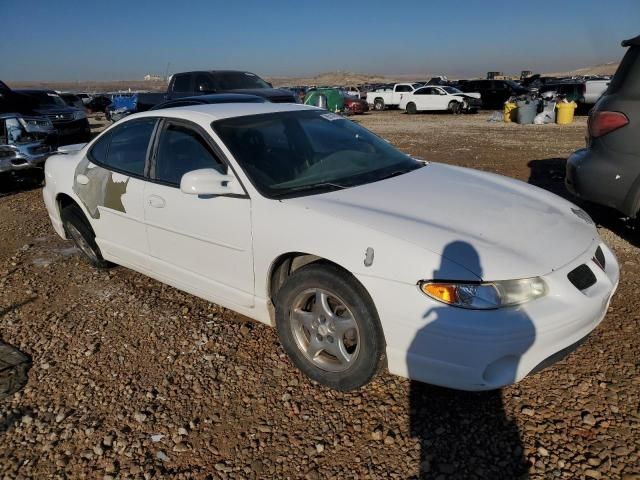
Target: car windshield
x: 302, y: 152
x: 46, y: 98
x: 238, y: 80
x: 451, y: 90
x: 513, y: 84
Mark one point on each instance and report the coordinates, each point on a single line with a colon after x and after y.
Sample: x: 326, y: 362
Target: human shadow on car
x: 549, y: 173
x: 463, y: 435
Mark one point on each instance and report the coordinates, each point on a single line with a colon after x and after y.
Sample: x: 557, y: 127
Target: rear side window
x: 181, y: 150
x: 628, y: 72
x: 182, y: 83
x: 127, y: 147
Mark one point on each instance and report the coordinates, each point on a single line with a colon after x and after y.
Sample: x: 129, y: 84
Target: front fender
x: 280, y: 228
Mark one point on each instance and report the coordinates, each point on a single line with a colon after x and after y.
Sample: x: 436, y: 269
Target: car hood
x: 517, y: 230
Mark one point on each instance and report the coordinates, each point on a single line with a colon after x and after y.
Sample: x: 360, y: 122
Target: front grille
x: 60, y: 117
x: 582, y: 277
x: 599, y: 258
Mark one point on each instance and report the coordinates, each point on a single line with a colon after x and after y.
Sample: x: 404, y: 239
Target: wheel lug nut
x: 319, y: 337
x: 329, y: 338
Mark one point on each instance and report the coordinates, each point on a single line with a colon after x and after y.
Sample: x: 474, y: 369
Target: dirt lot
x: 133, y: 379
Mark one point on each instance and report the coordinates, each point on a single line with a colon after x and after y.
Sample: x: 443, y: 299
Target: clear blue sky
x: 86, y: 40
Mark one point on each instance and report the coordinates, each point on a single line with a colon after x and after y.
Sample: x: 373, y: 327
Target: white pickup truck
x: 384, y: 97
x: 593, y: 90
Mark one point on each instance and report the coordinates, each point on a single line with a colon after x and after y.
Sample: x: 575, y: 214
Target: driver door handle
x: 155, y: 201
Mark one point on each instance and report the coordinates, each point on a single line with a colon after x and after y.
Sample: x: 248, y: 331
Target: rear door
x: 110, y: 181
x: 399, y: 92
x: 201, y: 244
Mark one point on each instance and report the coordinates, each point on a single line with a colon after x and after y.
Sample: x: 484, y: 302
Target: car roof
x: 632, y: 41
x: 218, y: 111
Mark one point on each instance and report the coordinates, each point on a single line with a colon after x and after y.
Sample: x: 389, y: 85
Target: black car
x: 493, y: 92
x: 209, y: 99
x: 190, y: 84
x: 607, y: 172
x: 99, y: 103
x: 70, y: 123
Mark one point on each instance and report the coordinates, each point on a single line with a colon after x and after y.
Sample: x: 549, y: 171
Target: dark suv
x: 493, y: 92
x: 70, y: 123
x: 607, y: 172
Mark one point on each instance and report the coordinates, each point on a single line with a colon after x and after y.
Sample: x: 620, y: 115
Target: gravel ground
x: 134, y: 379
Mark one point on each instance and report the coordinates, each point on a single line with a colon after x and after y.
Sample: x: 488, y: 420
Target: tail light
x: 601, y: 123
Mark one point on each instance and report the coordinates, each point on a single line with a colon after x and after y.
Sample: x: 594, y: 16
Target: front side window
x: 182, y: 150
x: 287, y: 153
x: 182, y: 84
x: 126, y: 147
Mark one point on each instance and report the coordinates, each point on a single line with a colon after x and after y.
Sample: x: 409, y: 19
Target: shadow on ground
x: 465, y: 435
x: 549, y: 174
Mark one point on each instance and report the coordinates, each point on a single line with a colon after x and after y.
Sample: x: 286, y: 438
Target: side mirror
x: 209, y: 181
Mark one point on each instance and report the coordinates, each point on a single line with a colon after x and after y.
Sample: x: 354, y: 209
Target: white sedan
x: 359, y: 255
x: 436, y: 98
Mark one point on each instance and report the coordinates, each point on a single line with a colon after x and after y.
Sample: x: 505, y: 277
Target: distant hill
x: 326, y: 78
x: 602, y: 69
x: 330, y: 78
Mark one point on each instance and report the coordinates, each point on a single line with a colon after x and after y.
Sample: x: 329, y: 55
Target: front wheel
x: 329, y: 327
x: 411, y: 108
x: 455, y: 107
x: 78, y: 229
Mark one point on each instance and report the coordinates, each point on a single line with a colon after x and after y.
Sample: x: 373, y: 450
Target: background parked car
x: 390, y: 96
x: 437, y: 98
x: 99, y: 103
x: 607, y: 172
x: 493, y: 92
x: 188, y: 84
x: 25, y: 143
x: 72, y: 100
x: 70, y: 123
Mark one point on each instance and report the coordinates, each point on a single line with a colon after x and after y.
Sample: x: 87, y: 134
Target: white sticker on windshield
x: 331, y: 116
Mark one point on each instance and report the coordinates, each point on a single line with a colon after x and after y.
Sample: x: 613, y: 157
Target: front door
x: 198, y: 243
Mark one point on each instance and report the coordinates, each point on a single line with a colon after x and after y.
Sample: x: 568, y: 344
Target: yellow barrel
x: 510, y: 112
x: 565, y: 112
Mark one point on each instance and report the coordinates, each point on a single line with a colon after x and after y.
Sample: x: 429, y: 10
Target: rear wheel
x: 80, y: 232
x: 411, y: 108
x: 378, y: 104
x: 455, y: 107
x: 329, y: 327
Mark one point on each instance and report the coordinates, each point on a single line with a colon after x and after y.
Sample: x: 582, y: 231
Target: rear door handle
x: 155, y: 201
x: 82, y: 179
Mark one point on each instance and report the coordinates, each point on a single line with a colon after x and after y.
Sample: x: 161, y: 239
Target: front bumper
x: 476, y: 350
x: 23, y: 157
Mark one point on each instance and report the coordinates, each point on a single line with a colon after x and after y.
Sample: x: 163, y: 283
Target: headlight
x: 485, y: 295
x: 79, y: 115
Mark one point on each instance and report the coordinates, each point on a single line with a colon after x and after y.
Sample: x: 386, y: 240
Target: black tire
x: 80, y: 232
x: 337, y: 284
x: 455, y: 107
x: 411, y: 108
x: 378, y: 104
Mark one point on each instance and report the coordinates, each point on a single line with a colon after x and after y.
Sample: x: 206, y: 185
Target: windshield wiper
x: 396, y: 173
x: 314, y: 186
